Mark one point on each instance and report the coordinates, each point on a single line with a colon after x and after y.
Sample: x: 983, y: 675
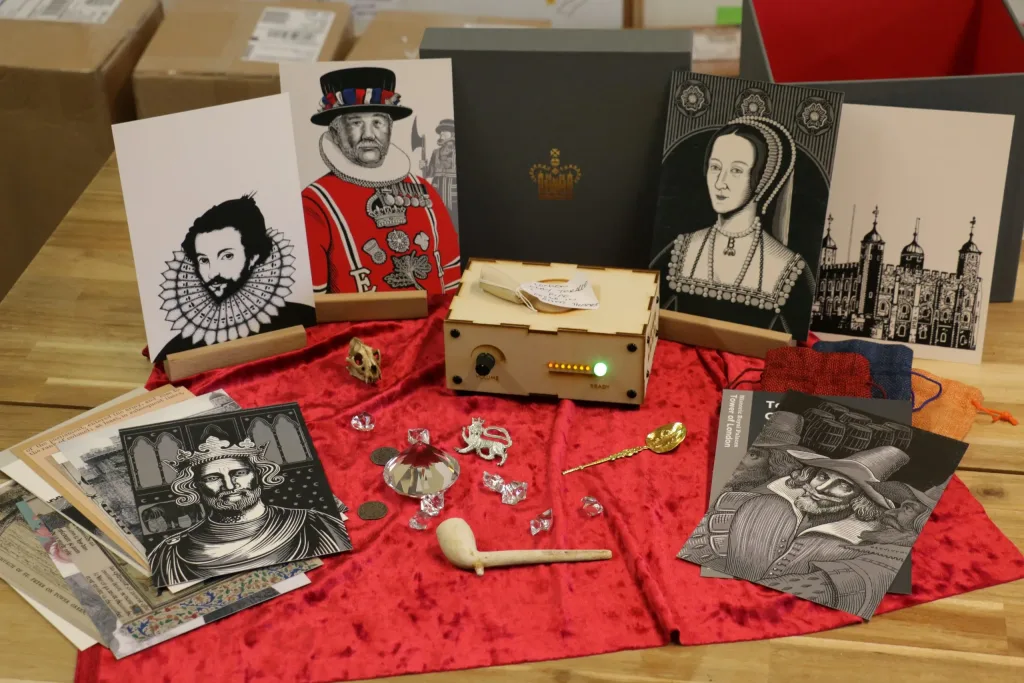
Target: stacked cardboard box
x: 65, y: 71
x: 210, y: 52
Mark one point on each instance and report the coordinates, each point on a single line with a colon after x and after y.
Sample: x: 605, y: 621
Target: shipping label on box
x: 716, y: 45
x: 74, y: 11
x: 285, y: 34
x: 363, y: 11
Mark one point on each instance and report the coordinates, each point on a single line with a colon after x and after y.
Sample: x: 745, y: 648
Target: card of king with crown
x: 372, y: 222
x: 253, y: 480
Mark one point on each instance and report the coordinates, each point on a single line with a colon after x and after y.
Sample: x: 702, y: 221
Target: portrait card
x: 33, y: 469
x: 745, y: 176
x: 376, y: 150
x: 96, y: 464
x: 131, y: 615
x: 251, y: 482
x: 743, y: 416
x: 911, y: 230
x: 847, y: 497
x: 215, y: 219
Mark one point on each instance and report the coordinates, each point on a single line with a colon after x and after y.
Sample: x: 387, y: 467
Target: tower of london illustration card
x: 911, y: 229
x: 215, y: 218
x: 376, y: 153
x: 745, y: 175
x: 826, y: 503
x: 250, y: 484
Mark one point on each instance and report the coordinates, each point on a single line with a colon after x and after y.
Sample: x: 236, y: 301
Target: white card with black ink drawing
x: 251, y: 484
x: 825, y: 504
x: 745, y: 176
x: 376, y: 150
x: 215, y: 217
x: 913, y: 219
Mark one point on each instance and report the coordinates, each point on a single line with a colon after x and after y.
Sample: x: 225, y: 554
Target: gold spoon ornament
x: 662, y: 440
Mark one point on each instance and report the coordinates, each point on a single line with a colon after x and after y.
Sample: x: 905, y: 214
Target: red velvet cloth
x: 798, y: 368
x: 852, y: 40
x: 396, y: 606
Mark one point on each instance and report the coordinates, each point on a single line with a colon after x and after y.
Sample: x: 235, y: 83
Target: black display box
x: 959, y: 55
x: 558, y: 139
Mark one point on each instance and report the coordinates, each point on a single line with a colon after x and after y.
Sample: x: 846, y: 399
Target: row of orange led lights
x: 569, y: 366
x: 599, y: 369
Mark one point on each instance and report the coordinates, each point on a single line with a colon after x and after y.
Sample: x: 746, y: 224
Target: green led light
x: 600, y: 369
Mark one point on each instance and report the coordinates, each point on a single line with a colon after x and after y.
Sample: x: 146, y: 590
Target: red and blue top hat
x: 364, y: 89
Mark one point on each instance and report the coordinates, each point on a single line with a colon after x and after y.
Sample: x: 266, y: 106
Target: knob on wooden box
x: 494, y: 345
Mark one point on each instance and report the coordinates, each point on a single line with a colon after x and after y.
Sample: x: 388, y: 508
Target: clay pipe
x: 459, y: 545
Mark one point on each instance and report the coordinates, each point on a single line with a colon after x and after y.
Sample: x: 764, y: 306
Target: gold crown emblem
x: 555, y: 181
x: 217, y: 449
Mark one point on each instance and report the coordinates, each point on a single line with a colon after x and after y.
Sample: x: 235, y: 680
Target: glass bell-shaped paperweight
x: 421, y: 469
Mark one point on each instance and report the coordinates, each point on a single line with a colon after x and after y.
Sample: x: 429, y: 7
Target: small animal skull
x: 363, y: 361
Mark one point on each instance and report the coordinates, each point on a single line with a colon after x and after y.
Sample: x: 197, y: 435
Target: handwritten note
x: 576, y: 293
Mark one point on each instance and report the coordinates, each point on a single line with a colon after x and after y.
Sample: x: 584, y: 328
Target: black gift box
x: 558, y: 138
x: 959, y: 55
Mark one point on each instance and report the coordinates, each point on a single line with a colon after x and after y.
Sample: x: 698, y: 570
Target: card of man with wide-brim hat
x: 860, y: 469
x: 371, y: 223
x: 816, y: 514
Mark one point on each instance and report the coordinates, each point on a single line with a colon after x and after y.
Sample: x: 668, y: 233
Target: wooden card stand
x: 402, y: 305
x: 188, y: 363
x: 718, y: 334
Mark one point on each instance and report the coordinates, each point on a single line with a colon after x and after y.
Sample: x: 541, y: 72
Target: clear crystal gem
x: 592, y: 508
x: 421, y: 470
x: 419, y: 435
x: 541, y: 522
x: 432, y: 505
x: 493, y: 481
x: 419, y: 521
x: 362, y: 422
x: 513, y: 492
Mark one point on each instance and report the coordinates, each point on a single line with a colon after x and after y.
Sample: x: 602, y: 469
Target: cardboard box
x: 968, y: 57
x: 559, y: 139
x: 397, y: 35
x: 561, y: 13
x: 208, y: 52
x: 62, y: 85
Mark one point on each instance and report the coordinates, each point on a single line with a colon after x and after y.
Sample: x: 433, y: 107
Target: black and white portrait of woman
x: 738, y: 226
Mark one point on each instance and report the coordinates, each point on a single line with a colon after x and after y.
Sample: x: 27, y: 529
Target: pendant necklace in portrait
x: 730, y: 247
x: 756, y: 244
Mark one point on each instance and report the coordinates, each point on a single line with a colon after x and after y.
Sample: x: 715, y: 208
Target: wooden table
x: 70, y: 338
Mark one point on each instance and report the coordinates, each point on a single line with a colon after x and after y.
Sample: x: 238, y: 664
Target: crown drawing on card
x: 387, y: 209
x: 555, y: 180
x: 217, y: 449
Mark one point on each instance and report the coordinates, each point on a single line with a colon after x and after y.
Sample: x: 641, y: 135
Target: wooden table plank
x: 71, y: 331
x: 18, y: 423
x: 30, y: 648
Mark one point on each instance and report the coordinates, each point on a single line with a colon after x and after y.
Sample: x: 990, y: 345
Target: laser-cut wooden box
x: 498, y: 347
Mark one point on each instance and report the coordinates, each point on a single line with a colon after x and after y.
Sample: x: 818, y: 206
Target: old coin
x: 382, y: 455
x: 372, y: 510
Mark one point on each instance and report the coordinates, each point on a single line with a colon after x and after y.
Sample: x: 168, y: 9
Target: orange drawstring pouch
x: 947, y: 407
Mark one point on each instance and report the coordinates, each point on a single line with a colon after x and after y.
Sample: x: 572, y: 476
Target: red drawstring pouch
x: 794, y: 368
